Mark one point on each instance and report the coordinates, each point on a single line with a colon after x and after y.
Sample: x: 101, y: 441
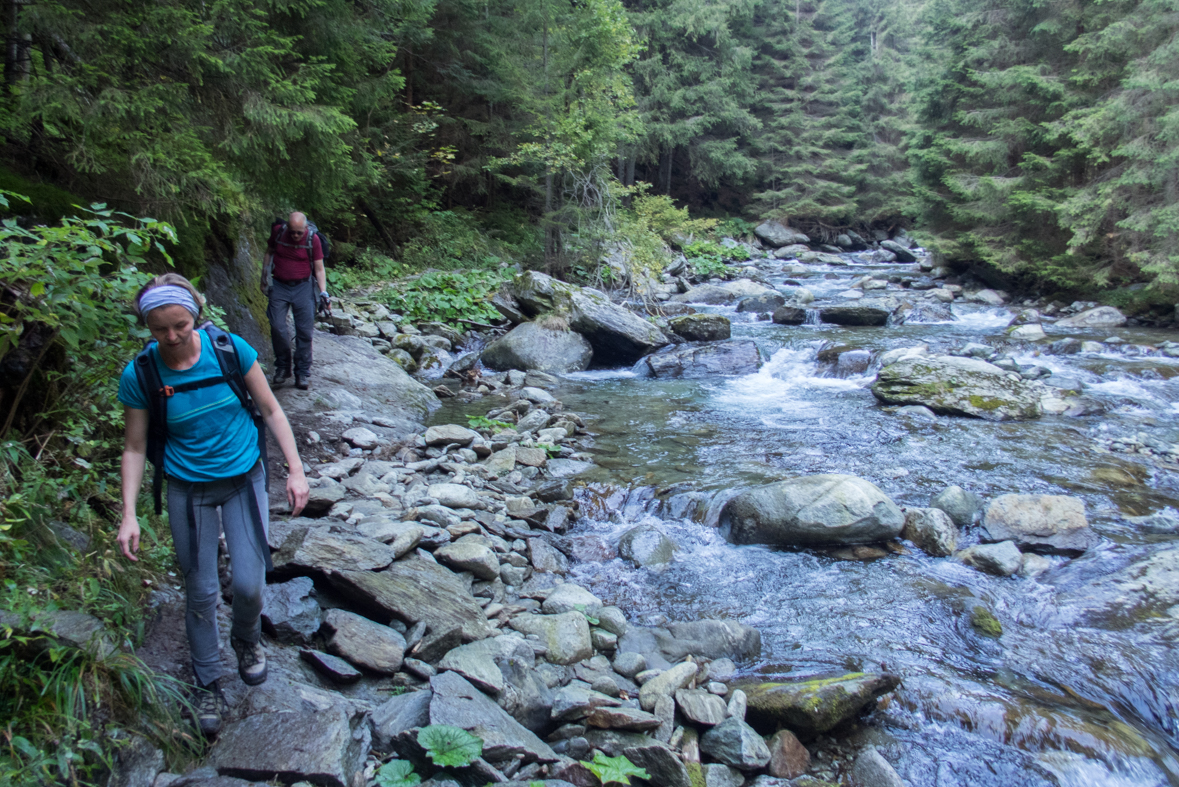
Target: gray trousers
x: 300, y: 299
x: 216, y: 505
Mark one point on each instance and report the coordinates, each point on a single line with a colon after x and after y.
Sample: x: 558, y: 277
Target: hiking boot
x: 302, y: 383
x: 280, y: 377
x: 251, y: 661
x: 208, y: 707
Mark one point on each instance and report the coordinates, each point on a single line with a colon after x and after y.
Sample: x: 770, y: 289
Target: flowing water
x: 1055, y: 700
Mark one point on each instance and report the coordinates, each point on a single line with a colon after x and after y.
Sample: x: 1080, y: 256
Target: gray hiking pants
x: 299, y: 298
x: 215, y: 505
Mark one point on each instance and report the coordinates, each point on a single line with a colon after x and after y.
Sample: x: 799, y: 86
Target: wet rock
x: 331, y: 667
x: 470, y: 553
x: 917, y: 412
x: 728, y: 292
x: 457, y: 703
x: 324, y: 549
x: 854, y: 315
x: 1027, y: 333
x: 959, y: 504
x: 872, y: 770
x: 958, y: 386
x: 789, y: 759
x: 1055, y: 524
x: 811, y: 510
x: 902, y: 252
x: 789, y: 315
x: 700, y: 707
x: 314, y: 746
x: 545, y: 557
x: 777, y: 234
x: 710, y: 639
x: 666, y: 683
x: 646, y: 545
x: 932, y: 530
x: 534, y: 346
x: 1147, y: 589
x: 761, y: 304
x: 812, y: 707
x: 701, y: 327
x: 735, y: 743
x: 363, y: 642
x: 1101, y: 317
x: 985, y: 622
x: 290, y: 613
x: 691, y: 361
x: 415, y: 589
x: 566, y: 636
x: 1002, y: 560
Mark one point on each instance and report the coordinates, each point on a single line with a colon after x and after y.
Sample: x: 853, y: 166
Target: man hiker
x: 293, y: 254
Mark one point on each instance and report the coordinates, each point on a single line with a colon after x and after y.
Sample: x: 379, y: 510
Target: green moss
x: 985, y: 622
x: 48, y: 203
x: 695, y: 774
x: 985, y: 404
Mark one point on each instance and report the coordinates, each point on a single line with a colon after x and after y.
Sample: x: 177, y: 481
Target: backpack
x: 279, y: 226
x: 148, y: 377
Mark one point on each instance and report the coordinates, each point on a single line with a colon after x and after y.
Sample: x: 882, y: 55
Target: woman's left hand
x: 297, y: 493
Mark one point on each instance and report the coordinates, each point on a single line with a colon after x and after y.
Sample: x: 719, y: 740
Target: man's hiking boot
x: 251, y: 661
x: 302, y: 383
x: 208, y: 706
x: 280, y: 377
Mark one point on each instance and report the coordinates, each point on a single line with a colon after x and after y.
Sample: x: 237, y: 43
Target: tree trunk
x: 16, y: 45
x: 550, y: 230
x: 409, y: 74
x: 378, y: 225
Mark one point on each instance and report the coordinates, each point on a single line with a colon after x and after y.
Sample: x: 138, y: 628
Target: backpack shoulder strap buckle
x: 168, y: 391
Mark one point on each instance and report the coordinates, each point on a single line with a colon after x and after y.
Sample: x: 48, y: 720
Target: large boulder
x: 902, y: 252
x: 789, y: 315
x: 812, y: 707
x: 701, y: 327
x: 776, y: 234
x: 1144, y: 591
x: 1101, y: 317
x: 690, y: 361
x: 646, y: 545
x: 729, y: 292
x: 325, y: 747
x: 1040, y: 523
x: 812, y: 510
x: 532, y: 346
x: 950, y: 385
x: 854, y: 315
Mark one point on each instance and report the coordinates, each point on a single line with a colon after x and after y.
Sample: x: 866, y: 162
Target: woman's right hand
x: 129, y: 537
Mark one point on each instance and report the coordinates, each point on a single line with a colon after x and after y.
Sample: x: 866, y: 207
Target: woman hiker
x: 213, y: 464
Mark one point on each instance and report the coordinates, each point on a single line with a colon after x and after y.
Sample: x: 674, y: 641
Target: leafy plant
x: 483, y: 422
x: 449, y: 747
x: 446, y: 297
x: 397, y: 773
x: 614, y: 770
x: 589, y: 618
x: 549, y: 448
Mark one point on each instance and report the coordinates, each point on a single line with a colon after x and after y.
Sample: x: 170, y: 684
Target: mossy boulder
x: 949, y: 385
x: 812, y: 707
x: 701, y: 327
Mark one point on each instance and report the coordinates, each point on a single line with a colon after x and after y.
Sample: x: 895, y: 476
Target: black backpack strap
x: 231, y: 371
x: 147, y: 374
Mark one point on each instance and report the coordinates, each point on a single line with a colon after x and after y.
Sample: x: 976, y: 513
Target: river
x: 1056, y: 699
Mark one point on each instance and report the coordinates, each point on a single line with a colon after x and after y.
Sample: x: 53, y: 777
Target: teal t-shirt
x: 210, y: 434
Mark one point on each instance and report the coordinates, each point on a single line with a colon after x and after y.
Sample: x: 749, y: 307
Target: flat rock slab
x: 622, y: 719
x: 693, y: 361
x: 332, y: 667
x: 314, y: 746
x: 290, y: 612
x: 414, y: 590
x: 445, y: 434
x: 567, y: 636
x: 812, y: 707
x: 573, y: 702
x: 363, y: 642
x: 476, y: 663
x: 322, y: 549
x: 470, y: 553
x: 398, y: 714
x: 1055, y: 524
x: 459, y: 704
x: 949, y: 385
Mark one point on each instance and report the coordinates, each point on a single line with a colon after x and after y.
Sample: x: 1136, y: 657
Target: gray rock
x: 700, y: 707
x: 67, y: 536
x: 400, y: 713
x: 564, y: 468
x: 566, y: 636
x: 762, y: 304
x: 872, y: 770
x: 290, y: 613
x: 335, y: 669
x: 701, y: 327
x: 136, y: 764
x: 665, y: 768
x: 527, y: 697
x: 455, y: 496
x: 902, y: 252
x: 959, y: 504
x: 621, y: 718
x: 932, y: 530
x: 738, y: 705
x: 470, y: 553
x: 457, y: 703
x: 820, y: 509
x: 476, y: 663
x: 812, y: 707
x: 789, y: 315
x: 1101, y: 317
x: 322, y: 498
x: 1055, y: 524
x: 360, y: 437
x: 776, y: 234
x: 729, y: 292
x: 612, y: 620
x: 959, y: 386
x: 646, y: 545
x: 717, y: 775
x: 1145, y: 590
x: 693, y: 361
x: 570, y: 598
x: 854, y: 315
x: 666, y: 683
x: 735, y: 743
x: 414, y: 589
x: 260, y: 747
x: 574, y: 702
x: 363, y: 642
x: 1002, y: 560
x: 68, y: 627
x: 629, y: 664
x: 446, y: 434
x: 545, y: 557
x: 534, y: 346
x: 710, y: 639
x: 325, y: 549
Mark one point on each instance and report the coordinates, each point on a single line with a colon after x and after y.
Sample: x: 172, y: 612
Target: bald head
x: 297, y: 222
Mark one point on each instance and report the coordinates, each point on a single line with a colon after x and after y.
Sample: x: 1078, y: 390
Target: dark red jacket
x: 290, y: 257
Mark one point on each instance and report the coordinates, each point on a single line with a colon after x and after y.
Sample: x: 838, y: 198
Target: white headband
x: 168, y: 295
